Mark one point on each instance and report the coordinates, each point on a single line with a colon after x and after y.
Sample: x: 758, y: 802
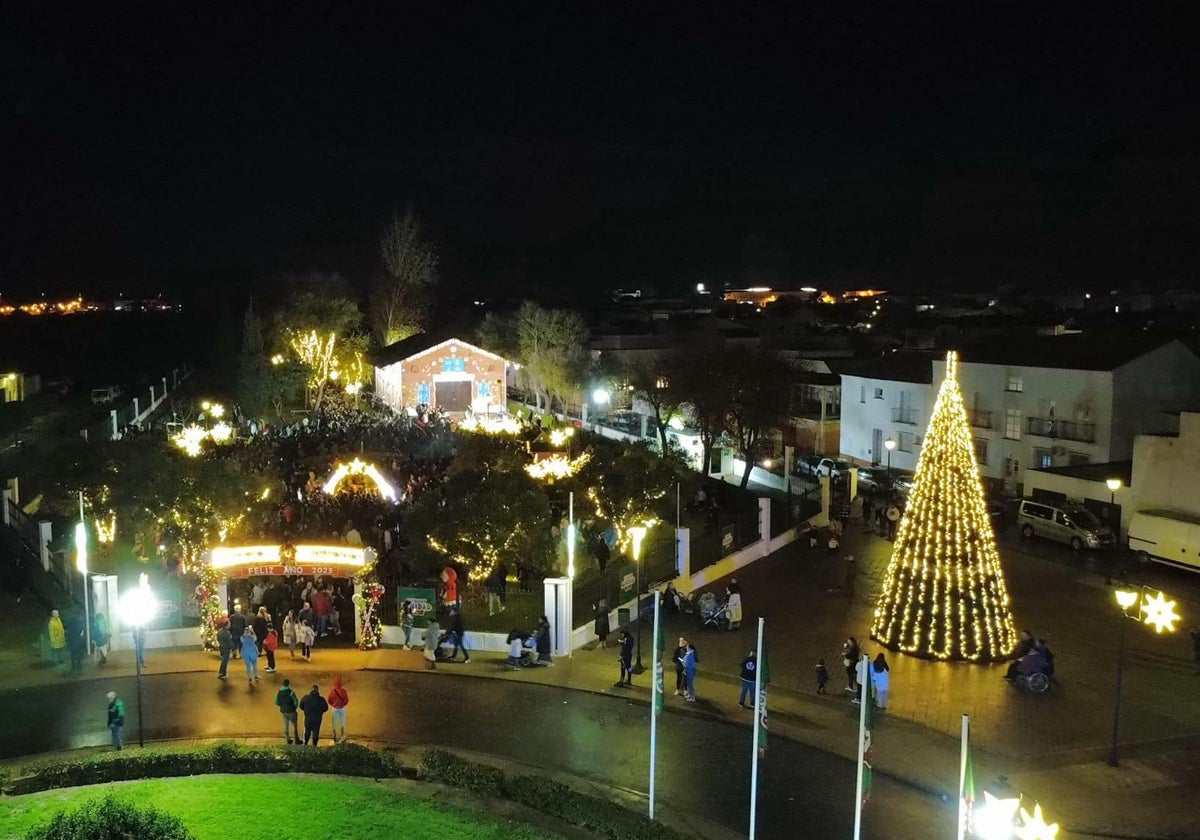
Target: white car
x: 103, y: 396
x: 831, y: 467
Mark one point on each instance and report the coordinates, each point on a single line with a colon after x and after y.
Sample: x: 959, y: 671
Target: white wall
x: 862, y: 413
x: 1148, y: 394
x: 1166, y: 470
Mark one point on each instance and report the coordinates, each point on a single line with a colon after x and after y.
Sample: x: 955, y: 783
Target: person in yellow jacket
x: 58, y: 637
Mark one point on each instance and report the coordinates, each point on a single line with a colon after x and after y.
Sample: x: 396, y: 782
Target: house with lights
x: 447, y: 374
x: 1038, y: 402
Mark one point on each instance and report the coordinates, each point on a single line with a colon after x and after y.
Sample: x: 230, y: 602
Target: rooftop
x: 414, y: 345
x: 901, y: 366
x: 1088, y: 351
x: 1099, y: 473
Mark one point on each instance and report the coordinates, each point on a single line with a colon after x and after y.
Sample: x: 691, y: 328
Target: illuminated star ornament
x: 1160, y: 612
x: 994, y: 820
x: 944, y: 595
x: 1034, y: 827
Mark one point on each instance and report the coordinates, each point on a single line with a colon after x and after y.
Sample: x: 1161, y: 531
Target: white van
x: 1166, y: 537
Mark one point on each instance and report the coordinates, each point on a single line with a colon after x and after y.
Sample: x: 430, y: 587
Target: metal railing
x: 1052, y: 427
x: 979, y: 419
x: 907, y: 416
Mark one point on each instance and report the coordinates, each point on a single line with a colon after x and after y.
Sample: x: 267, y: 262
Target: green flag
x: 868, y: 725
x: 967, y: 794
x: 658, y: 659
x: 764, y: 677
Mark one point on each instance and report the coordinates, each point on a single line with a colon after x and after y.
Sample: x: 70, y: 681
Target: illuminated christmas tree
x: 944, y: 595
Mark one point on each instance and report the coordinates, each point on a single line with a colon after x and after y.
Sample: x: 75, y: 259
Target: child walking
x: 822, y: 676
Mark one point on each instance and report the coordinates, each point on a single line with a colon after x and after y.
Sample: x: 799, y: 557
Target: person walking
x: 261, y: 621
x: 868, y: 515
x: 270, y: 645
x: 689, y: 673
x: 116, y: 718
x: 459, y: 632
x: 139, y: 645
x: 250, y: 655
x: 601, y: 628
x: 338, y: 699
x: 76, y: 642
x: 289, y: 632
x: 544, y: 642
x: 406, y: 623
x: 880, y: 681
x: 432, y: 639
x: 733, y: 606
x: 101, y: 636
x: 237, y: 626
x: 288, y: 703
x: 850, y: 657
x: 58, y: 638
x: 314, y: 707
x: 822, y: 676
x: 893, y: 521
x: 862, y: 676
x: 224, y: 646
x: 626, y: 660
x: 307, y: 637
x: 851, y: 575
x: 677, y: 658
x: 749, y: 668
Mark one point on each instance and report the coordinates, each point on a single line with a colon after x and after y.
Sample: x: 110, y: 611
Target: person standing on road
x: 626, y: 660
x: 307, y: 637
x: 116, y: 718
x: 432, y: 639
x: 261, y: 621
x: 868, y: 514
x: 101, y: 636
x: 822, y: 676
x: 749, y: 666
x: 544, y: 643
x: 893, y: 520
x: 862, y: 676
x: 850, y: 657
x: 600, y: 613
x: 458, y: 631
x: 733, y: 606
x: 677, y: 658
x: 139, y: 645
x: 76, y: 642
x: 250, y: 655
x: 338, y: 699
x: 288, y: 703
x: 880, y: 681
x: 289, y: 632
x: 224, y: 646
x: 237, y: 626
x: 58, y: 637
x: 270, y: 645
x: 851, y: 574
x: 689, y: 672
x: 314, y: 707
x: 406, y: 623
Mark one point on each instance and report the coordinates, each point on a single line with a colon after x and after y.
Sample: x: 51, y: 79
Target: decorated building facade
x: 446, y: 374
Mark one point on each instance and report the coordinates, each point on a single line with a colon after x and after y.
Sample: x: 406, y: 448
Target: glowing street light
x: 636, y: 534
x: 1159, y: 613
x: 137, y: 607
x: 1114, y: 484
x: 600, y: 396
x: 889, y: 445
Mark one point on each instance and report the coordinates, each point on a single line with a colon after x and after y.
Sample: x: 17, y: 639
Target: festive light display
x: 1160, y: 613
x: 1034, y: 826
x: 368, y: 606
x: 995, y: 818
x: 106, y: 532
x: 210, y: 605
x: 359, y: 467
x: 190, y: 439
x: 557, y: 466
x: 501, y: 424
x: 944, y: 595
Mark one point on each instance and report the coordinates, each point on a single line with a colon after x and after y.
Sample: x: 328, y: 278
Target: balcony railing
x: 1052, y: 427
x: 907, y: 416
x: 979, y: 419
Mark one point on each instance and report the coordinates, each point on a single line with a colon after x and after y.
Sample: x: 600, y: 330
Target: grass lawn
x: 270, y: 807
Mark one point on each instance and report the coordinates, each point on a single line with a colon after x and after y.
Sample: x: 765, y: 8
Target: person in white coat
x: 733, y: 608
x: 880, y: 681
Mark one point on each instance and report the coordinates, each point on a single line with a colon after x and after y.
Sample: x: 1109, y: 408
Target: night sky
x: 554, y: 152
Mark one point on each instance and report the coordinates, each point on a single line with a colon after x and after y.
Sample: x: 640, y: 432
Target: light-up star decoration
x: 1034, y: 827
x: 359, y: 467
x: 994, y: 819
x: 1160, y: 612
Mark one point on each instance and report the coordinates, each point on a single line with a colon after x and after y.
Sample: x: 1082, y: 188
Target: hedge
x: 541, y: 794
x: 111, y: 818
x: 223, y: 757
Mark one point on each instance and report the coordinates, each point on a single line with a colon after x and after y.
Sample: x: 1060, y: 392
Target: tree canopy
x: 399, y: 298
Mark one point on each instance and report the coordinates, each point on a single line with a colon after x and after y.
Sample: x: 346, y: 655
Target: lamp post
x: 137, y: 608
x: 1160, y: 613
x: 1114, y: 484
x: 889, y: 445
x: 637, y: 534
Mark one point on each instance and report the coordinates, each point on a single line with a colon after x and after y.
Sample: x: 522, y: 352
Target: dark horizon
x: 566, y: 153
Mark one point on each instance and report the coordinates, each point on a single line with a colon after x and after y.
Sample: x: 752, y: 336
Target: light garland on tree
x: 209, y: 600
x: 503, y: 424
x: 557, y: 466
x: 368, y: 605
x: 944, y: 595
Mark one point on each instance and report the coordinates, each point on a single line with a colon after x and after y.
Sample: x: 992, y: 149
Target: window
x: 878, y: 393
x: 1043, y: 458
x: 1040, y: 511
x: 981, y: 448
x: 905, y: 442
x: 1076, y: 459
x: 862, y: 393
x: 1011, y: 466
x: 1015, y: 384
x: 1012, y: 424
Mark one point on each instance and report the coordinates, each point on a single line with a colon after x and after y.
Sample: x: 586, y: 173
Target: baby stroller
x: 520, y: 650
x: 712, y: 612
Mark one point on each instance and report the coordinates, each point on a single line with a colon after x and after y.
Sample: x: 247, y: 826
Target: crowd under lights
x: 944, y: 595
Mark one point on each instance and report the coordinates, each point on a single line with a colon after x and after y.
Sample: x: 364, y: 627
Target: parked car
x: 105, y: 395
x: 832, y: 467
x: 1077, y: 527
x: 806, y: 465
x: 873, y: 479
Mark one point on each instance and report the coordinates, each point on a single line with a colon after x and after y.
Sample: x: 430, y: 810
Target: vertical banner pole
x: 757, y: 718
x: 862, y: 747
x: 962, y: 779
x: 655, y: 688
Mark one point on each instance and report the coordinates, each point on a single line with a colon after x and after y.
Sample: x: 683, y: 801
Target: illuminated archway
x: 364, y: 468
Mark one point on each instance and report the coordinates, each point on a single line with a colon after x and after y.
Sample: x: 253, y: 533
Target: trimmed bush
x: 224, y: 757
x: 441, y: 766
x: 111, y: 819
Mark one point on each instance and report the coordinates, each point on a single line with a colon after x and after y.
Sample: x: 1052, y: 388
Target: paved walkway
x: 1050, y: 748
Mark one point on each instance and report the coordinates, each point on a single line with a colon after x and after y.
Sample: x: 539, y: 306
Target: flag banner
x: 868, y: 732
x: 967, y: 796
x: 659, y: 688
x: 764, y: 678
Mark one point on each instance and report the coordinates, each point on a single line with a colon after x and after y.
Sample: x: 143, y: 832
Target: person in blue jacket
x: 250, y: 654
x: 689, y: 673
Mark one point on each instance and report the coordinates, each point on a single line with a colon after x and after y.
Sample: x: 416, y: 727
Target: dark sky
x: 553, y: 149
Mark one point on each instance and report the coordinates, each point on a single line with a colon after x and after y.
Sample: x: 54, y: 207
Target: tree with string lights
x: 944, y: 595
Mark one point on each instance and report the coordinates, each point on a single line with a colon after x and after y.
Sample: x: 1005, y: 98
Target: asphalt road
x: 704, y: 766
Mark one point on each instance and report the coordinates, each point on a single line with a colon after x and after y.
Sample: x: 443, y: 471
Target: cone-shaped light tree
x: 944, y: 595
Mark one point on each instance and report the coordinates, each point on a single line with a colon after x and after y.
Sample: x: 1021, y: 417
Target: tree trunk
x: 662, y: 432
x: 748, y: 441
x: 746, y: 471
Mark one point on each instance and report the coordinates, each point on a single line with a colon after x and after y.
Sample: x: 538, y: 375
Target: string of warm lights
x: 944, y: 595
x: 503, y: 424
x: 557, y: 466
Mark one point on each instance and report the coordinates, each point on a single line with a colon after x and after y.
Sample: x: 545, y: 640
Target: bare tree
x: 399, y: 299
x: 652, y: 379
x: 760, y: 399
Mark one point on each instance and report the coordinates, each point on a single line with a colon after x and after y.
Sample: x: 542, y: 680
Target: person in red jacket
x: 270, y: 643
x: 322, y: 605
x: 338, y: 700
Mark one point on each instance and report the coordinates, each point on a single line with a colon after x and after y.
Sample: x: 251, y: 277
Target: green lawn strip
x: 269, y: 807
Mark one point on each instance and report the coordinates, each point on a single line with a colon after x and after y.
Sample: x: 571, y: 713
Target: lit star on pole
x: 1160, y: 612
x: 1033, y: 826
x: 994, y: 820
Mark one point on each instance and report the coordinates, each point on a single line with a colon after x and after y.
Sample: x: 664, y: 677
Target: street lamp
x: 1114, y: 484
x: 138, y: 606
x: 1160, y: 613
x: 81, y: 559
x: 889, y: 445
x: 637, y: 534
